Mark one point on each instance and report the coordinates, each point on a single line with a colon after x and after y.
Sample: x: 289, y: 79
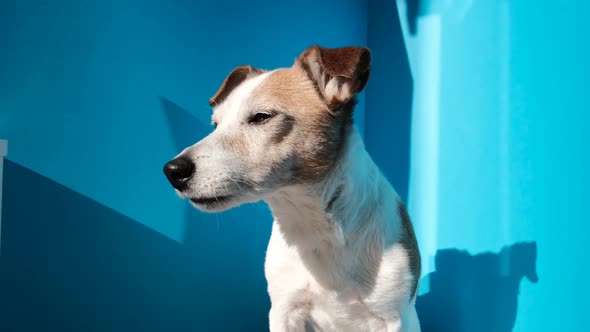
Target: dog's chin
x: 216, y: 203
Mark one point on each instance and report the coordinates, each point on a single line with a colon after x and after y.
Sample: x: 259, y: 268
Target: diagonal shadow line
x: 186, y: 129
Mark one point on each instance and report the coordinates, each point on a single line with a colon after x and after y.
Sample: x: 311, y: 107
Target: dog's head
x: 272, y: 129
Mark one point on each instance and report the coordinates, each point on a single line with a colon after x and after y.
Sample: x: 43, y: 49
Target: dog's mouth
x: 210, y: 201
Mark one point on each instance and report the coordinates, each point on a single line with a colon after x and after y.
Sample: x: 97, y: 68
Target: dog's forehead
x: 239, y: 98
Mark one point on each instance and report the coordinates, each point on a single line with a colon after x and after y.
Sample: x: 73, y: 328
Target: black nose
x: 179, y: 171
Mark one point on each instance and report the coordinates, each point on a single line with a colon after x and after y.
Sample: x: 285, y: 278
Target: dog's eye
x: 260, y: 118
x: 214, y: 124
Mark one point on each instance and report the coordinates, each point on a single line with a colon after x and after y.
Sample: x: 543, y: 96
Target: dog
x: 342, y: 254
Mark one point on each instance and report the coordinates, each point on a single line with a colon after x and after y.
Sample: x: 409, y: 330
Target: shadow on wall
x: 476, y: 293
x: 71, y: 264
x: 389, y: 96
x: 412, y: 13
x: 186, y: 129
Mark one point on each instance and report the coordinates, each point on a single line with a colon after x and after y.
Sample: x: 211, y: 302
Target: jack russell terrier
x: 342, y: 255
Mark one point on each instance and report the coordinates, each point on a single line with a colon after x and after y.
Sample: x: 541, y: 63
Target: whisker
x: 237, y: 184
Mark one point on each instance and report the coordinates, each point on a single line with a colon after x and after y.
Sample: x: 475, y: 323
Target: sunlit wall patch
x: 424, y: 50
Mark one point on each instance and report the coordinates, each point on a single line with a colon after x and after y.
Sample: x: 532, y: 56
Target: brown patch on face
x: 291, y: 89
x: 235, y: 78
x: 284, y: 129
x: 408, y: 241
x: 315, y: 133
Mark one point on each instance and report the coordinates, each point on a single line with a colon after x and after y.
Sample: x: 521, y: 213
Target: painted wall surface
x: 498, y: 168
x: 82, y: 84
x: 389, y: 95
x: 95, y: 96
x: 3, y: 152
x: 474, y: 111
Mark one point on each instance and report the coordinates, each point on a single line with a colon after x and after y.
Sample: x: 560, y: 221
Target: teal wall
x: 475, y: 111
x: 95, y: 96
x: 82, y: 84
x: 498, y: 164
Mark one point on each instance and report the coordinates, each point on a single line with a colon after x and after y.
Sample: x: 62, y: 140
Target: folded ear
x: 339, y: 73
x: 235, y: 78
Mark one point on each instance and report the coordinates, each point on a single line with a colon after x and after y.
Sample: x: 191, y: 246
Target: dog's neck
x: 339, y: 213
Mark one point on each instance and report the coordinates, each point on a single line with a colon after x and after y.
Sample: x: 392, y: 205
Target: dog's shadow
x: 476, y: 292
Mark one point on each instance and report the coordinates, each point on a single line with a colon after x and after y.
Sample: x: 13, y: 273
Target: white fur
x: 314, y: 258
x: 227, y: 115
x: 217, y: 167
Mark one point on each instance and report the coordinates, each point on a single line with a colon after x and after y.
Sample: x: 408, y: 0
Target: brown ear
x: 339, y: 73
x: 235, y: 78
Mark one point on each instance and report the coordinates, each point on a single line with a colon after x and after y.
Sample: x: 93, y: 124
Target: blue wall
x: 95, y: 96
x: 475, y: 111
x: 389, y: 95
x: 82, y: 83
x: 498, y: 166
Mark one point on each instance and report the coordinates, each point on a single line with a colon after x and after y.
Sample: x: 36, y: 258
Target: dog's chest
x: 314, y: 287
